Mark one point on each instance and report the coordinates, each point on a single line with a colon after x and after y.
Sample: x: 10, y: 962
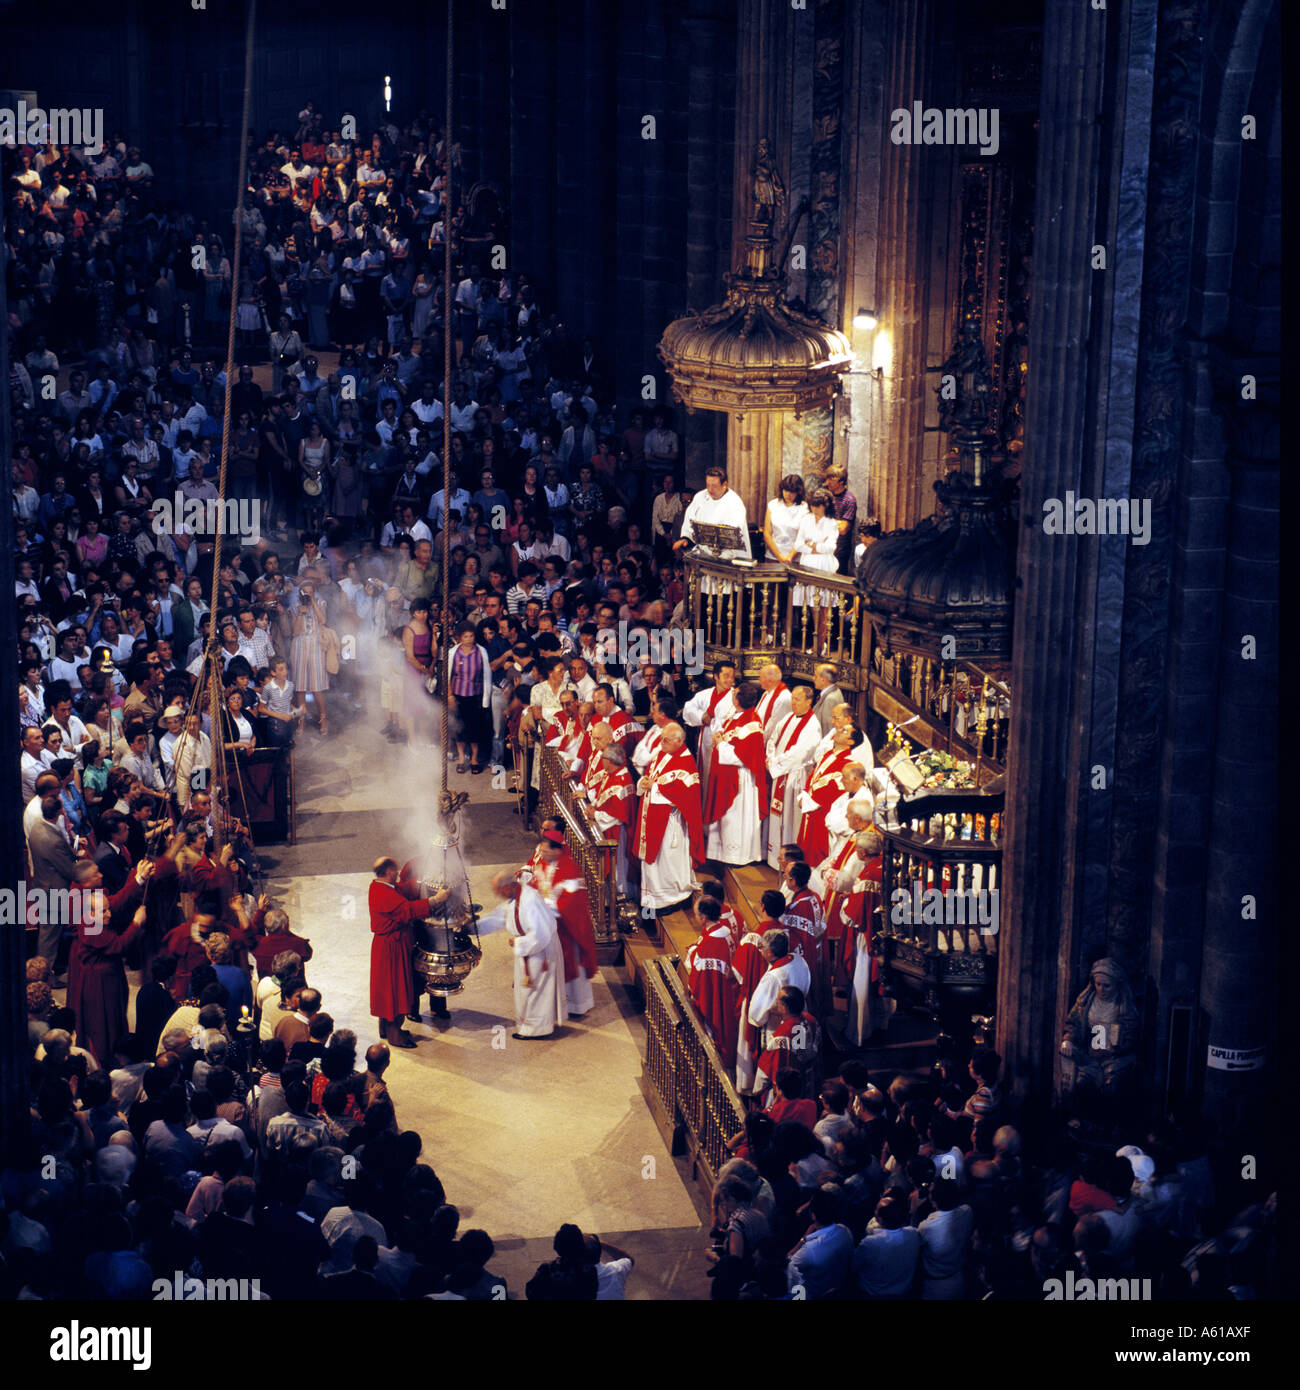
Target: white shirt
x: 784, y: 522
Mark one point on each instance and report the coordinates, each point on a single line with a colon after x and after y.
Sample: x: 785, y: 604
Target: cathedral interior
x: 1014, y: 266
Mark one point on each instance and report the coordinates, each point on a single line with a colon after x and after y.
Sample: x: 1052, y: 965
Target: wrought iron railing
x: 768, y: 612
x: 946, y: 841
x: 685, y: 1071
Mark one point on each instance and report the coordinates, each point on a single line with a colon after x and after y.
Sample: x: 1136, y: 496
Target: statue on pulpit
x: 769, y: 191
x: 1100, y: 1041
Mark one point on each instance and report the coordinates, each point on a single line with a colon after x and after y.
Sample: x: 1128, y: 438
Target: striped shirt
x: 466, y: 672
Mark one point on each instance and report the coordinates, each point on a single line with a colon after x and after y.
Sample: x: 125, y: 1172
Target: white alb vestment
x: 773, y: 706
x: 695, y: 712
x: 670, y: 875
x: 540, y: 1002
x: 759, y: 1010
x: 737, y: 836
x: 790, y: 755
x: 644, y: 753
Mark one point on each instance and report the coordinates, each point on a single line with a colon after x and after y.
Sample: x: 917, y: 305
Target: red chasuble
x: 713, y: 988
x: 744, y: 731
x: 676, y: 776
x: 563, y: 882
x: 825, y: 786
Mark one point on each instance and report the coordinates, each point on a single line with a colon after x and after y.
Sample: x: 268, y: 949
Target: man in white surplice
x: 531, y: 928
x: 709, y: 710
x: 717, y: 505
x: 789, y: 756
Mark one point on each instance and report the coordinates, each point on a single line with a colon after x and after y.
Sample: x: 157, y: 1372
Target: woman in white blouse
x: 814, y: 549
x: 781, y: 524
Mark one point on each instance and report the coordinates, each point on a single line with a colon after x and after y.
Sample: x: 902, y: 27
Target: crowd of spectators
x: 195, y: 1128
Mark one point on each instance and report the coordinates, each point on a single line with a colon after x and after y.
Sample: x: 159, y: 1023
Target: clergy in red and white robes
x: 737, y: 790
x: 577, y: 753
x: 622, y: 727
x: 841, y: 717
x: 594, y: 770
x: 560, y: 881
x: 782, y: 969
x: 803, y: 918
x: 868, y: 1011
x: 532, y: 929
x: 669, y: 837
x: 835, y: 879
x: 730, y: 918
x: 747, y: 966
x: 612, y: 805
x: 837, y: 818
x: 566, y: 728
x: 646, y: 749
x: 712, y: 985
x: 774, y: 703
x: 823, y: 789
x: 709, y: 710
x: 795, y: 1041
x: 392, y: 979
x: 790, y: 748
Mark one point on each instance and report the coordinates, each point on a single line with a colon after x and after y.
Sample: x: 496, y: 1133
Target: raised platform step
x: 745, y: 885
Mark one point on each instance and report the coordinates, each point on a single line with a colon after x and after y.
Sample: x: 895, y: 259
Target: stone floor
x: 524, y: 1135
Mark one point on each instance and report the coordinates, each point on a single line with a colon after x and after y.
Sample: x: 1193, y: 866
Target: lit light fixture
x: 388, y: 93
x: 865, y: 319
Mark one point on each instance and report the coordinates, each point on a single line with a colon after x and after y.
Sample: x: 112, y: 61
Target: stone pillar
x: 1036, y: 955
x: 1239, y: 960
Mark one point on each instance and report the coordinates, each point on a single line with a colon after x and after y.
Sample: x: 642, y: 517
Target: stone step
x: 745, y: 885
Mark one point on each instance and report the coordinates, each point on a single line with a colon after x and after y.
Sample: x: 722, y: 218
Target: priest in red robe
x: 824, y: 788
x: 393, y: 912
x: 558, y: 877
x: 669, y: 836
x: 712, y: 984
x: 736, y: 793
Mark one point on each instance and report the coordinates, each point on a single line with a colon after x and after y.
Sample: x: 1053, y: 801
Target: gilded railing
x: 592, y: 851
x: 758, y: 613
x: 954, y: 706
x: 684, y: 1068
x: 940, y: 888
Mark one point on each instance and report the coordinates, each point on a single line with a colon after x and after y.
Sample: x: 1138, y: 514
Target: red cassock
x: 392, y: 978
x: 713, y: 988
x: 676, y: 776
x: 748, y: 967
x: 625, y: 730
x: 794, y: 1042
x: 825, y: 786
x: 744, y: 731
x: 564, y: 881
x: 838, y: 909
x: 803, y: 923
x: 561, y: 729
x: 731, y: 920
x: 97, y: 986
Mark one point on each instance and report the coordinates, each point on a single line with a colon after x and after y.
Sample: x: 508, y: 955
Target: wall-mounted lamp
x: 388, y: 93
x: 865, y: 319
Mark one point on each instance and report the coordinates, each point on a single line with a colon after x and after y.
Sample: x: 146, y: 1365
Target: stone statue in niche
x: 769, y: 191
x: 1100, y: 1040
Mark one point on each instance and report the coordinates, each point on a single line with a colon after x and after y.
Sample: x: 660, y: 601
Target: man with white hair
x: 774, y: 703
x: 669, y: 835
x: 790, y: 753
x: 612, y: 805
x: 837, y: 824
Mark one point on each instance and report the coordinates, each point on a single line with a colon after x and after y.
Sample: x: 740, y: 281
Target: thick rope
x: 214, y: 670
x: 444, y: 627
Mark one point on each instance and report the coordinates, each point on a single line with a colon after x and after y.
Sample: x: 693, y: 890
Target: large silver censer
x: 446, y: 950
